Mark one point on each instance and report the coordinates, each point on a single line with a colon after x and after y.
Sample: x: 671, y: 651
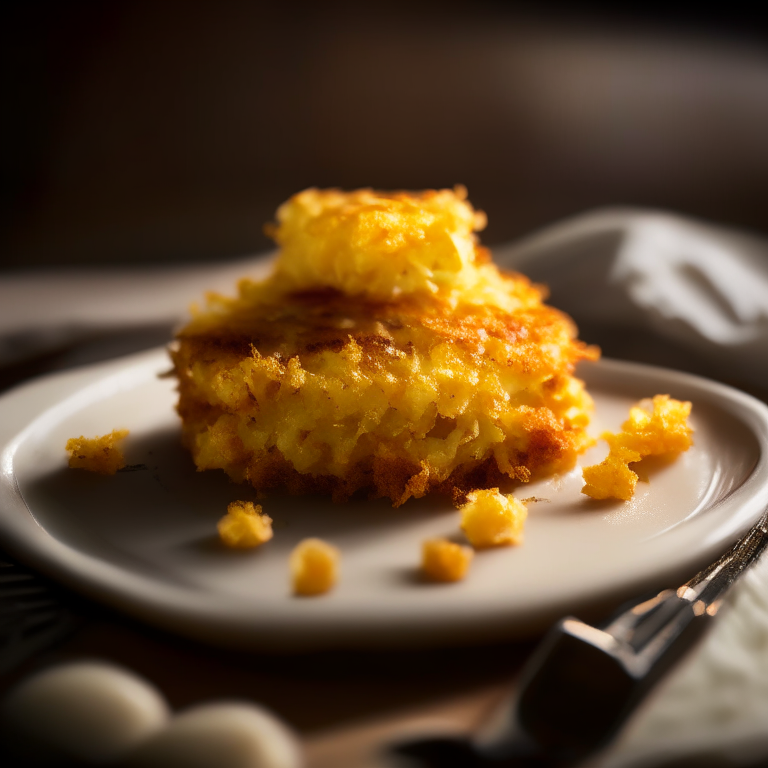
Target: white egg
x: 226, y: 734
x: 89, y: 712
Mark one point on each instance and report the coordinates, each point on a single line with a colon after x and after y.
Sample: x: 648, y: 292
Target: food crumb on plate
x: 443, y: 560
x: 245, y: 526
x: 314, y: 565
x: 99, y: 454
x: 492, y: 519
x: 655, y: 427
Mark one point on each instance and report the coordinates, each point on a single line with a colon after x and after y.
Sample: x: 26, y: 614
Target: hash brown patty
x: 319, y: 391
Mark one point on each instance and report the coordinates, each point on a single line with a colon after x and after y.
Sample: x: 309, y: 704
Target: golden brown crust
x: 449, y: 377
x: 387, y: 340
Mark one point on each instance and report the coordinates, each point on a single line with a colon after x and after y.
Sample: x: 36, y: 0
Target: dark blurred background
x: 169, y: 131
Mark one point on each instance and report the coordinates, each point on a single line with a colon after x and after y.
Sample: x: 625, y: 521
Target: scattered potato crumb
x: 245, y: 525
x: 314, y: 567
x: 442, y: 560
x: 492, y: 519
x: 97, y: 454
x: 654, y: 427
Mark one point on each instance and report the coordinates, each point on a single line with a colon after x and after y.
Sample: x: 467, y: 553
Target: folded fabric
x: 657, y: 286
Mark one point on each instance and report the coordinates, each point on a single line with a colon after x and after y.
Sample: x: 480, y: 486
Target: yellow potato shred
x: 443, y: 560
x: 654, y: 428
x: 314, y: 566
x: 493, y: 519
x: 386, y: 354
x: 245, y: 526
x: 97, y: 454
x: 382, y: 245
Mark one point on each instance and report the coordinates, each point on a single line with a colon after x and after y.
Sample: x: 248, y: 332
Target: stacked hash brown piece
x: 386, y: 354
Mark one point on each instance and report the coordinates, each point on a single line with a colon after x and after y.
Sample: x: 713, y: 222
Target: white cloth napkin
x: 676, y: 285
x: 649, y: 285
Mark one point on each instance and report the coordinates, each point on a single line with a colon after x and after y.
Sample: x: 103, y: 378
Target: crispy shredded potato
x: 245, y: 526
x: 97, y: 454
x: 442, y: 560
x: 654, y: 428
x: 386, y: 353
x: 493, y: 519
x: 314, y: 565
x: 381, y: 245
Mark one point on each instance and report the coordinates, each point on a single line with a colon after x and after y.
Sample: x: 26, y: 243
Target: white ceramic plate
x: 145, y: 541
